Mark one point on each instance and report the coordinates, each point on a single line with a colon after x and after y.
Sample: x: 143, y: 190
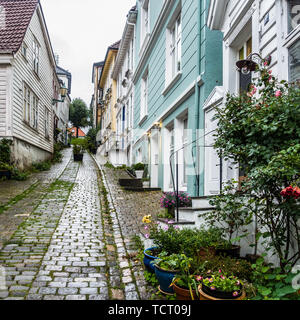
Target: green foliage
x: 187, y: 241
x: 138, y: 166
x: 78, y: 113
x: 5, y: 151
x: 232, y: 211
x: 169, y: 262
x: 238, y: 267
x: 79, y: 145
x: 41, y: 166
x: 19, y: 175
x: 57, y: 155
x: 261, y: 130
x: 91, y: 140
x: 272, y: 284
x: 222, y: 282
x: 151, y: 278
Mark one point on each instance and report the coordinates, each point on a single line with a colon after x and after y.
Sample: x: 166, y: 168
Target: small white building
x: 268, y: 28
x: 122, y: 74
x: 62, y: 108
x: 27, y: 80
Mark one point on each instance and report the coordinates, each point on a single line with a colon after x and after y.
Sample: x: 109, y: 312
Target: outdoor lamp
x: 249, y: 65
x: 63, y: 93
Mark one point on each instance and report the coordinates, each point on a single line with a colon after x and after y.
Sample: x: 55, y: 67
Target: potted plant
x: 78, y: 149
x: 221, y: 287
x: 226, y: 248
x: 166, y: 267
x: 139, y: 170
x: 184, y: 283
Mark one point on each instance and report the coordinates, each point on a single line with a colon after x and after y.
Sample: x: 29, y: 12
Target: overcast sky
x: 80, y: 32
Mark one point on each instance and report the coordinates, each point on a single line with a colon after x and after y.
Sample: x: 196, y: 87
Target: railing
x: 176, y: 185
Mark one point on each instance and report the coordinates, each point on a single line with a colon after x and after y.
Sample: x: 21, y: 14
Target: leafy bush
x: 57, y: 155
x: 79, y: 145
x: 5, y: 150
x: 41, y: 166
x: 19, y: 175
x: 272, y: 284
x: 138, y: 166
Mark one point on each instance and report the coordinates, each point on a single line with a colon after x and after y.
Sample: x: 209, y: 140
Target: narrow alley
x: 71, y: 245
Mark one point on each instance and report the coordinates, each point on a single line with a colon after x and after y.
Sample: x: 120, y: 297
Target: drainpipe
x: 197, y: 90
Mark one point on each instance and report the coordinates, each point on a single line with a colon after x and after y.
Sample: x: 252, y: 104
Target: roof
x: 74, y: 134
x: 115, y: 45
x: 15, y: 17
x: 96, y: 64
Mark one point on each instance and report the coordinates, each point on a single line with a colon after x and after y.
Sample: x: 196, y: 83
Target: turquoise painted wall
x: 201, y: 54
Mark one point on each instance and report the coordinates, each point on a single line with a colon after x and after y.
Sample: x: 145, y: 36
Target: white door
x: 154, y: 160
x: 212, y: 161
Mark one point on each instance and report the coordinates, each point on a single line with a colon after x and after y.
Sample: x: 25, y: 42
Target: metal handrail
x: 175, y: 188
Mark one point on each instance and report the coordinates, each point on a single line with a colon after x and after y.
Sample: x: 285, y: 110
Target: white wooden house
x: 27, y: 77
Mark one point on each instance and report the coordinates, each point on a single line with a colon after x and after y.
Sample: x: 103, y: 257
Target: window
x: 175, y: 46
x: 145, y: 25
x: 47, y: 121
x: 30, y: 107
x: 144, y: 96
x: 26, y: 104
x: 35, y: 105
x: 36, y: 56
x: 24, y: 50
x: 294, y: 62
x: 293, y: 14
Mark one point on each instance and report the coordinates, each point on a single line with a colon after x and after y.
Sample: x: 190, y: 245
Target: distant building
x: 27, y: 81
x: 73, y: 132
x: 97, y: 95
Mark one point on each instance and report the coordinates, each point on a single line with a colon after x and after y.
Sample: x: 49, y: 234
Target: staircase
x: 189, y: 217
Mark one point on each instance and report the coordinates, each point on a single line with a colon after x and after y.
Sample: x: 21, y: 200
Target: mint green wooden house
x: 178, y: 64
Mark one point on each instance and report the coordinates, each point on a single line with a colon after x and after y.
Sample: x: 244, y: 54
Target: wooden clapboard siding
x: 40, y: 84
x: 3, y: 108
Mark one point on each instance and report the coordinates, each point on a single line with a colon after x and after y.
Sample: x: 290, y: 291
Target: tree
x: 78, y: 114
x: 261, y: 130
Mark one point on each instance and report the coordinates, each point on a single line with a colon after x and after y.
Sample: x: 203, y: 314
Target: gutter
x: 197, y: 90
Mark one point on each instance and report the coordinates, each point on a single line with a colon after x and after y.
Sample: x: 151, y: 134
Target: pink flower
x: 220, y: 270
x: 166, y: 228
x: 199, y: 278
x: 147, y: 236
x: 212, y: 288
x: 146, y: 227
x: 278, y: 93
x: 176, y: 227
x: 235, y: 293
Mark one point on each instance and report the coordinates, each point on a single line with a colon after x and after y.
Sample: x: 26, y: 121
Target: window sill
x: 292, y: 37
x: 171, y: 83
x: 143, y: 120
x: 29, y: 126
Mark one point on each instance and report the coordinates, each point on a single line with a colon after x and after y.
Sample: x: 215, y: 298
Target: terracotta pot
x: 205, y: 295
x: 184, y: 294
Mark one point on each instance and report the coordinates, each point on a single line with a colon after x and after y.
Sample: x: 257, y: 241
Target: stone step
x: 201, y: 202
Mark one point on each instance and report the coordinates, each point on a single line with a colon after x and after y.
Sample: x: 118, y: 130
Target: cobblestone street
x: 70, y: 237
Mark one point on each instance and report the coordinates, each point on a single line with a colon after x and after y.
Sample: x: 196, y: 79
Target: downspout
x: 197, y: 91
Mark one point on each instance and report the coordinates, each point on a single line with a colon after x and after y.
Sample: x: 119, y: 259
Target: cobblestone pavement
x: 21, y: 197
x: 76, y: 243
x: 127, y: 209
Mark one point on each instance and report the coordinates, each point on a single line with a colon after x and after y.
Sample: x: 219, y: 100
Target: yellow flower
x: 146, y: 219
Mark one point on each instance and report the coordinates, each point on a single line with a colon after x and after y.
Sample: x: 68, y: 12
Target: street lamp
x: 63, y: 93
x: 249, y: 65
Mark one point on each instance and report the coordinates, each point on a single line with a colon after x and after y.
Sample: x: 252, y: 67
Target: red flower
x: 291, y: 192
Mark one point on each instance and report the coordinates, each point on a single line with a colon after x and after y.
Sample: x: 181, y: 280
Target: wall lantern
x: 63, y: 93
x: 249, y: 64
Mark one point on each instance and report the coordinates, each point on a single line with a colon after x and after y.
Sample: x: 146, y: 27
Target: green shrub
x: 41, y: 166
x: 5, y: 150
x: 138, y: 166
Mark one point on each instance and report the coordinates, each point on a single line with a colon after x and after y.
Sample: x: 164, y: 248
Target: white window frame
x: 145, y: 23
x: 144, y: 95
x: 47, y: 123
x: 35, y: 111
x: 173, y: 50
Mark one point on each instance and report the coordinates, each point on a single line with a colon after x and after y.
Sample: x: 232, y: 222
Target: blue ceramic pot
x: 149, y: 260
x: 165, y: 278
